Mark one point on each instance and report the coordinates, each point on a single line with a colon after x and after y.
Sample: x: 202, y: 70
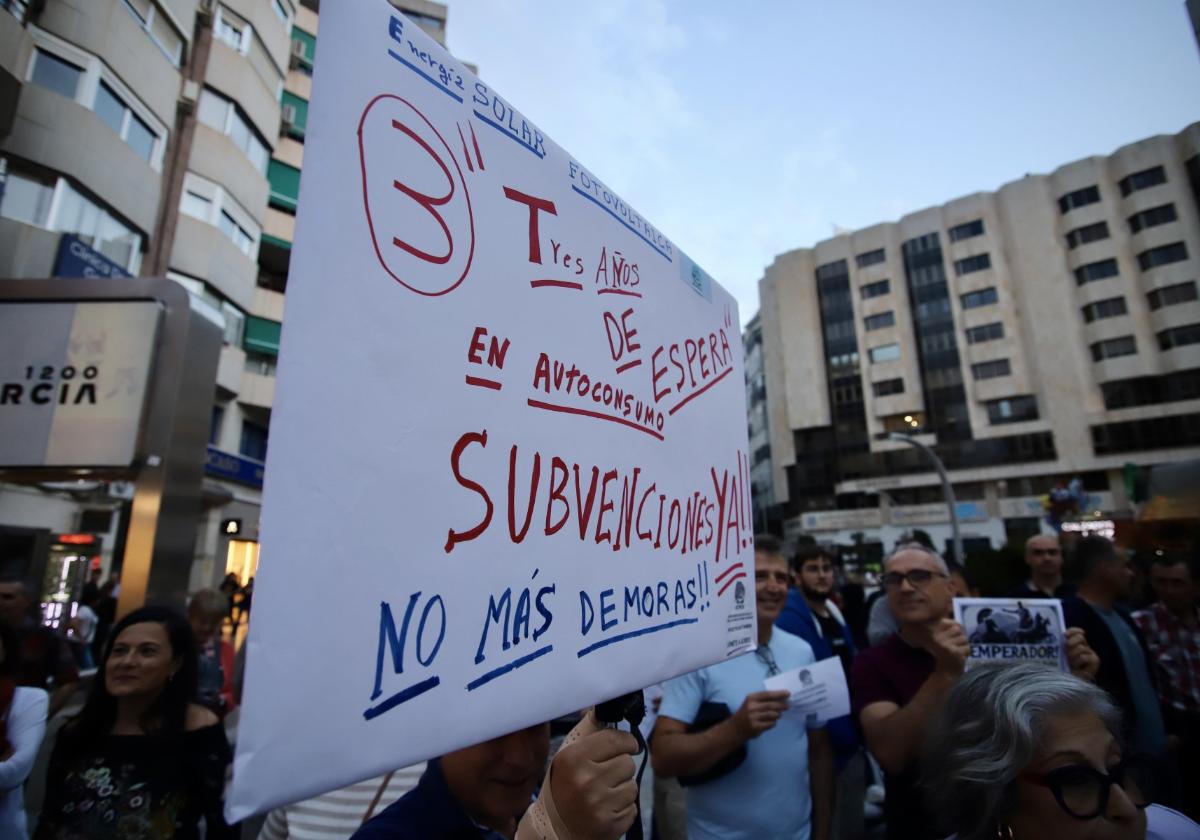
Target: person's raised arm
x: 675, y: 751
x: 894, y: 733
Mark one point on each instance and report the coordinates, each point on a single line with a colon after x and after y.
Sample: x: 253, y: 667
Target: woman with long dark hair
x: 141, y: 759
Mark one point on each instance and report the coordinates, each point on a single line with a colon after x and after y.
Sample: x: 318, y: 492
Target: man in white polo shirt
x: 784, y: 785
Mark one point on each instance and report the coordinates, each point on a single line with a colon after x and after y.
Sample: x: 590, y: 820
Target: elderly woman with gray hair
x: 1021, y: 751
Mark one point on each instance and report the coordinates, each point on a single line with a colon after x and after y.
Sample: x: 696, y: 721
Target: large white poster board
x: 508, y: 470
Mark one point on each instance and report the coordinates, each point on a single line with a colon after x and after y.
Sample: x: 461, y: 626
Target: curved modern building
x: 1045, y: 331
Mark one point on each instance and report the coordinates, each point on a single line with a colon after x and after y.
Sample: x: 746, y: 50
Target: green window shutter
x: 267, y: 239
x: 310, y: 45
x: 262, y: 336
x: 285, y: 185
x: 296, y: 129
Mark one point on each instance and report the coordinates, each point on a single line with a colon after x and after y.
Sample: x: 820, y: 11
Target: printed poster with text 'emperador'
x: 508, y: 471
x: 1013, y: 630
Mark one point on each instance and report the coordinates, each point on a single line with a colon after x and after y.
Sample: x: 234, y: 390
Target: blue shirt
x: 428, y: 810
x: 1149, y: 734
x: 768, y: 795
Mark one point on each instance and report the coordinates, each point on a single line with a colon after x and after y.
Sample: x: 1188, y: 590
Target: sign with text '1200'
x: 522, y: 487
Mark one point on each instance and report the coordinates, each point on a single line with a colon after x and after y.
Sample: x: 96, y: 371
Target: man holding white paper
x: 775, y: 772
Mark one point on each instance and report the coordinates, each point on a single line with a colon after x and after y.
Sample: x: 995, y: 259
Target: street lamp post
x: 947, y: 489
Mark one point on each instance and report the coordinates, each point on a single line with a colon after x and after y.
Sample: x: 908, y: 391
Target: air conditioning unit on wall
x: 288, y: 116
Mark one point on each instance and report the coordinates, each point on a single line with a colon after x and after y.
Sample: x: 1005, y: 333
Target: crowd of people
x: 1106, y: 749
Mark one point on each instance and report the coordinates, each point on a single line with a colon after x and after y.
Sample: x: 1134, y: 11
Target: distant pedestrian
x: 106, y: 616
x: 23, y: 712
x: 43, y: 658
x: 83, y: 630
x: 140, y: 759
x: 214, y: 671
x: 1043, y: 556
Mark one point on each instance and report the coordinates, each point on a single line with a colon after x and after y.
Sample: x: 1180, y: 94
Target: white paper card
x: 818, y: 692
x: 1013, y: 630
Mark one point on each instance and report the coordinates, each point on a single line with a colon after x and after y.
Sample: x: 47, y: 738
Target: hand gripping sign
x: 508, y: 474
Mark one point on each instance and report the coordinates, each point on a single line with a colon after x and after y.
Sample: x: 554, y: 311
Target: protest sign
x: 1013, y: 630
x: 508, y: 472
x: 818, y: 692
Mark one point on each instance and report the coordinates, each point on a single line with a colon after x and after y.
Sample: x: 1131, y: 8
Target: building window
x: 1171, y: 295
x: 54, y: 73
x: 876, y: 289
x: 220, y: 113
x: 888, y: 387
x: 1152, y: 390
x: 1114, y: 348
x: 159, y: 27
x: 970, y: 265
x: 281, y: 12
x: 1110, y: 308
x: 235, y: 319
x: 878, y: 322
x: 1095, y: 271
x: 128, y: 125
x: 884, y: 353
x: 54, y: 203
x: 870, y: 258
x: 987, y: 332
x: 231, y: 29
x: 1153, y: 217
x: 27, y: 198
x: 427, y: 22
x: 214, y: 426
x: 983, y: 297
x: 208, y: 202
x: 966, y: 231
x: 83, y: 78
x: 1154, y: 433
x: 1142, y: 180
x: 1179, y: 337
x: 1079, y: 198
x: 1012, y: 410
x: 254, y: 441
x: 991, y: 370
x: 1163, y: 255
x: 1086, y: 234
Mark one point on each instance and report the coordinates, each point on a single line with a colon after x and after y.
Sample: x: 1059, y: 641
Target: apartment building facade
x: 1045, y: 333
x: 164, y: 138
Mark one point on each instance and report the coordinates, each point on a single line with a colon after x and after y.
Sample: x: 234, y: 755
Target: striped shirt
x: 337, y: 815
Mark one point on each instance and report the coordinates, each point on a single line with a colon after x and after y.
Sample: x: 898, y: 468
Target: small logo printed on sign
x: 416, y: 200
x: 806, y: 677
x: 739, y: 595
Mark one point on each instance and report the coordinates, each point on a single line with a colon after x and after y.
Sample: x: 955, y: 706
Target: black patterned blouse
x: 137, y: 787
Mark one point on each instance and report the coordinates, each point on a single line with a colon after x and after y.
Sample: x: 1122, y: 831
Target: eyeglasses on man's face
x: 1083, y: 791
x: 918, y: 578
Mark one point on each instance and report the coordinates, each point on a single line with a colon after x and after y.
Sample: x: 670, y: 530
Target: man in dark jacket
x: 1125, y: 672
x: 810, y: 614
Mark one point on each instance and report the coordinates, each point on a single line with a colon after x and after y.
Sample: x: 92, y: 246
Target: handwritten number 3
x: 427, y: 201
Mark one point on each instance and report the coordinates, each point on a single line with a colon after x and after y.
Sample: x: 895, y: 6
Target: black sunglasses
x: 917, y: 577
x: 1083, y: 791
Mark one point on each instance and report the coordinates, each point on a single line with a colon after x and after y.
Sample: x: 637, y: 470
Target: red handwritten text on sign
x: 417, y: 204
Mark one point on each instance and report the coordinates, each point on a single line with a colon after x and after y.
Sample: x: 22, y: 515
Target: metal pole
x: 947, y: 490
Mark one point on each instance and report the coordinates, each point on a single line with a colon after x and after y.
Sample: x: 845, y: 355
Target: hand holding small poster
x: 1013, y: 630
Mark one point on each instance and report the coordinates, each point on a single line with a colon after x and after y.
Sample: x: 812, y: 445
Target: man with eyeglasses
x: 1044, y: 558
x: 896, y: 686
x: 783, y: 785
